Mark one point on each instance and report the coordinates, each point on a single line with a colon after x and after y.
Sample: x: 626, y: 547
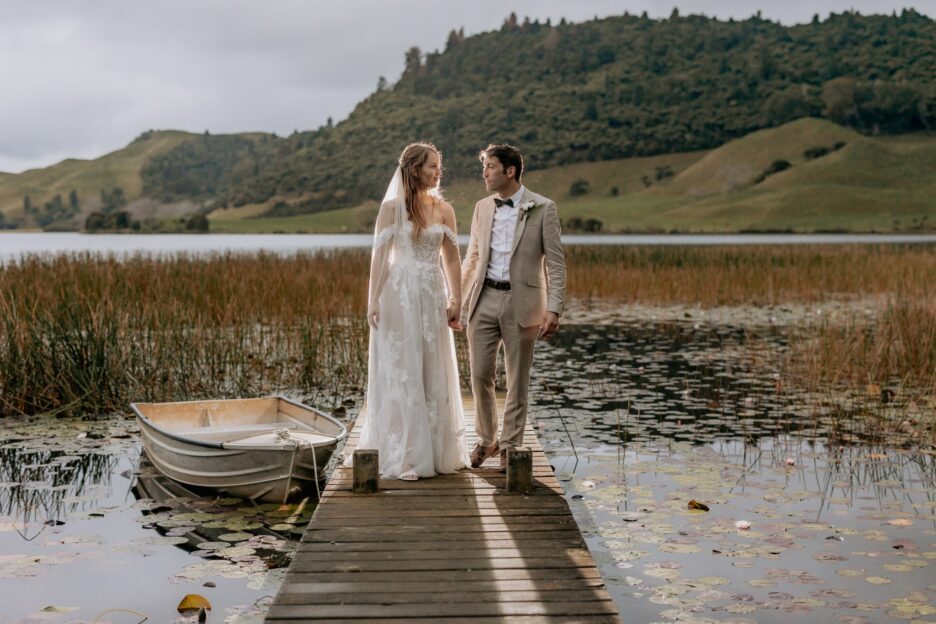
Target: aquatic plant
x: 89, y: 333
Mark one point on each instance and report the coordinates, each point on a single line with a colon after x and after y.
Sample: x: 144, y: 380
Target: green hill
x: 865, y: 184
x: 611, y: 89
x: 680, y: 123
x: 737, y: 164
x: 127, y: 171
x: 119, y: 169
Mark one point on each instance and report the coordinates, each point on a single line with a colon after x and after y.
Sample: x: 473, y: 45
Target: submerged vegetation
x: 892, y: 335
x: 89, y: 334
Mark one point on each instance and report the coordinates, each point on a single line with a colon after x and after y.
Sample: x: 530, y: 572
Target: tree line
x: 571, y: 92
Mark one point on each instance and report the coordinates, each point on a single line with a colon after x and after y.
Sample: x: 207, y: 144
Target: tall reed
x: 745, y: 275
x: 88, y: 333
x: 896, y: 342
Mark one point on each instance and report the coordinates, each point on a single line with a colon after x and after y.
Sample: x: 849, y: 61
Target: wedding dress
x: 413, y: 415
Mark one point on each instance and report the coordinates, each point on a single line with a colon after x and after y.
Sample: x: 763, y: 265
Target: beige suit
x: 537, y: 280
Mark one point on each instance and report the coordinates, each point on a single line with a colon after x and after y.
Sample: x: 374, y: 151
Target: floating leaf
x: 851, y: 572
x: 740, y: 607
x: 829, y: 557
x: 282, y: 527
x: 679, y: 548
x: 192, y: 603
x: 763, y: 583
x: 878, y: 580
x: 54, y: 609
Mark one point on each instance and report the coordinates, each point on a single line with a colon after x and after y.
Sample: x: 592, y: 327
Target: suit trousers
x: 493, y: 323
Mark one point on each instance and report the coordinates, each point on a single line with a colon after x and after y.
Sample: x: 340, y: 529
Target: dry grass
x: 898, y: 343
x: 894, y: 349
x: 90, y: 334
x: 746, y: 275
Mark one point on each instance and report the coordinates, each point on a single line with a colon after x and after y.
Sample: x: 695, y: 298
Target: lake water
x: 637, y: 418
x: 14, y: 244
x: 640, y: 418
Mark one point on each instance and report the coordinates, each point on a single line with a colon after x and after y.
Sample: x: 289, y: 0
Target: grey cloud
x: 82, y: 78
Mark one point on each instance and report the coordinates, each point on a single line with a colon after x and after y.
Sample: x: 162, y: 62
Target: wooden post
x: 365, y: 471
x: 520, y: 470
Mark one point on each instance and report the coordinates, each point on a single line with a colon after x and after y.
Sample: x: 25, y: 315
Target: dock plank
x: 456, y: 549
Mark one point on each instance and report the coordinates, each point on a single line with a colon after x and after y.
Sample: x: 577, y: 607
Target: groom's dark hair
x: 508, y: 155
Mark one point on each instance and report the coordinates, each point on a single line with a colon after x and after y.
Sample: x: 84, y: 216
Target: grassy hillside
x: 610, y: 89
x: 119, y: 169
x: 685, y: 123
x: 866, y: 184
x: 123, y: 169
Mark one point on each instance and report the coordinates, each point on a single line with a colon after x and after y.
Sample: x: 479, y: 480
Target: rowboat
x: 269, y: 449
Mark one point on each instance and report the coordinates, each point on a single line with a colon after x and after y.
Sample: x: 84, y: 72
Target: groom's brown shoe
x: 480, y: 453
x: 503, y: 460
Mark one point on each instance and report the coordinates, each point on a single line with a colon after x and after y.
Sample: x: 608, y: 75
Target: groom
x: 513, y: 278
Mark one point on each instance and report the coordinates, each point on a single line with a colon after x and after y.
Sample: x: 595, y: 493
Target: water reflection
x: 637, y: 418
x: 206, y: 525
x: 67, y: 511
x: 815, y: 508
x: 41, y: 486
x: 642, y: 381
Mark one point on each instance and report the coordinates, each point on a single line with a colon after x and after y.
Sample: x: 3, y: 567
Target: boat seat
x: 269, y: 439
x: 234, y: 432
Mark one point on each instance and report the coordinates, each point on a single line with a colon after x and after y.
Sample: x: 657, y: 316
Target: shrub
x: 579, y: 187
x: 774, y: 167
x: 197, y: 223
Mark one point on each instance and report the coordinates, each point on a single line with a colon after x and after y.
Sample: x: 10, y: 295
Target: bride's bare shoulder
x: 448, y: 214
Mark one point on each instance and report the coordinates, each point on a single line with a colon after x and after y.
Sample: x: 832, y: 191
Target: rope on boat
x: 282, y: 437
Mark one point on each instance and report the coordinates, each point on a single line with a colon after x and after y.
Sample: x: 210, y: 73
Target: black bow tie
x: 502, y: 202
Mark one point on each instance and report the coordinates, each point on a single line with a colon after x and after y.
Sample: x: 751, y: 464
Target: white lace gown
x: 414, y: 415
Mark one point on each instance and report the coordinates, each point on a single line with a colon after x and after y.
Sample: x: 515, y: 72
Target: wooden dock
x: 456, y: 548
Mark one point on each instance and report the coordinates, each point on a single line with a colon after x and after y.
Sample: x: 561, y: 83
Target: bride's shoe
x: 408, y: 475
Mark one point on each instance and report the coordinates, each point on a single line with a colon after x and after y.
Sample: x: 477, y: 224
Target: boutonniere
x: 527, y: 206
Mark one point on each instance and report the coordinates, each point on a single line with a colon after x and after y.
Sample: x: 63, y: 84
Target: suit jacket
x: 537, y: 263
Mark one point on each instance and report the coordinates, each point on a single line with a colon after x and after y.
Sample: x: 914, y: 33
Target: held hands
x: 549, y: 326
x: 453, y: 314
x: 373, y: 315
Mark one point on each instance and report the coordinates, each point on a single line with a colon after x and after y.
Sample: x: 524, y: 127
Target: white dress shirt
x: 502, y: 237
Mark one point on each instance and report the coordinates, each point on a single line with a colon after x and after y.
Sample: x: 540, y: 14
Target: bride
x: 414, y: 412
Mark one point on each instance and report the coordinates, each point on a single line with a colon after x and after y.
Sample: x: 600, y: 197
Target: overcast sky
x: 81, y: 79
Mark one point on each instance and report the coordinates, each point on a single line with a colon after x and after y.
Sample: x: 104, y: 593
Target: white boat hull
x: 270, y: 449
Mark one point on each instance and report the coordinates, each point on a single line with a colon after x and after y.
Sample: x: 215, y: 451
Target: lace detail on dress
x: 381, y: 239
x: 449, y: 234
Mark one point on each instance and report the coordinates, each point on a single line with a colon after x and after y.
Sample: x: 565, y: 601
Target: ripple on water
x: 808, y: 509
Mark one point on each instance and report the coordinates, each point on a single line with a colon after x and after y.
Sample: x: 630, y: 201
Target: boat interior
x: 241, y: 421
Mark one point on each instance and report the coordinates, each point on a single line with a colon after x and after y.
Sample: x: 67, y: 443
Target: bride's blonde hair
x: 412, y: 159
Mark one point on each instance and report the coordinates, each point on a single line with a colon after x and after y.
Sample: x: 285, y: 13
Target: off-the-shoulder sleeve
x: 451, y: 261
x: 381, y: 252
x: 450, y: 235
